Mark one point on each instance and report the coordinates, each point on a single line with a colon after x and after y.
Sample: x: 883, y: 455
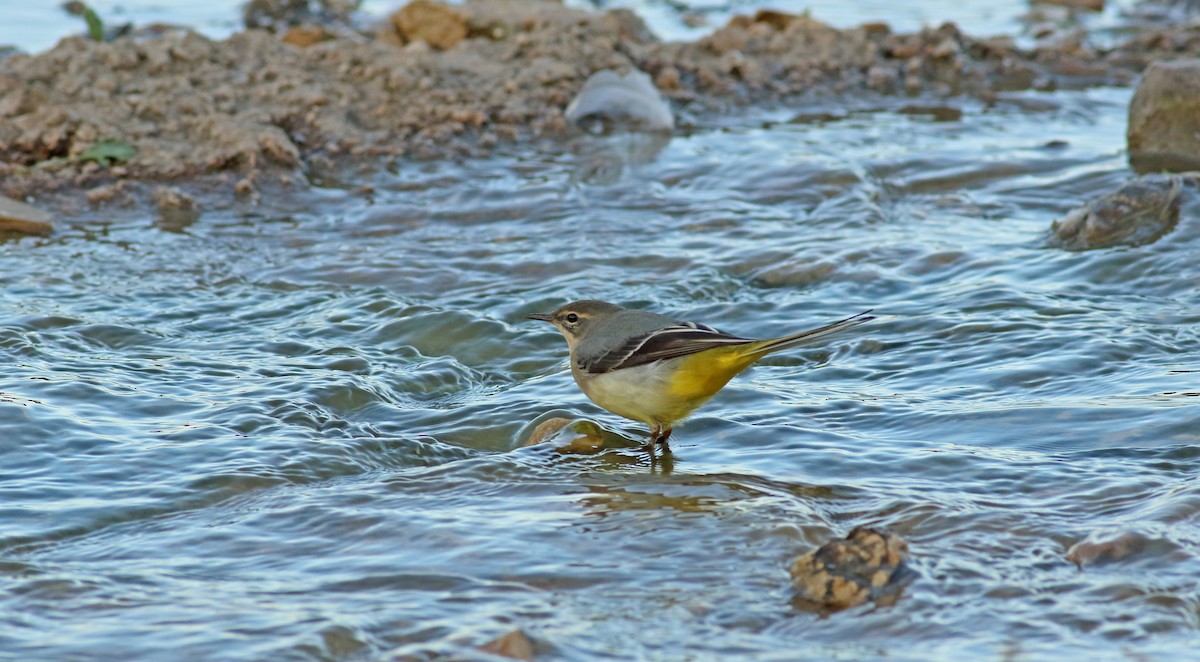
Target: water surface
x: 291, y: 432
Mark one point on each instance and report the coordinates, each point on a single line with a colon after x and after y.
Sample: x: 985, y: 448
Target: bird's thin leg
x: 662, y: 439
x: 655, y: 431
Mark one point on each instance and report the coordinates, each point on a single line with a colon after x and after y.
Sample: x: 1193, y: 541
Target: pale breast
x: 641, y: 393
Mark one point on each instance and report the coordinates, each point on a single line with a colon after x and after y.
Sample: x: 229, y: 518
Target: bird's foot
x: 662, y: 440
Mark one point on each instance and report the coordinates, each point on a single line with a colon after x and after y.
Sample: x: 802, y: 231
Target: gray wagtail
x: 655, y: 369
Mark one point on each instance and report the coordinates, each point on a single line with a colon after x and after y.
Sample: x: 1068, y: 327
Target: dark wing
x: 665, y: 343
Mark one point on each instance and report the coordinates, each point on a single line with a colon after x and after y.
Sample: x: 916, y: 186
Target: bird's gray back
x: 610, y: 334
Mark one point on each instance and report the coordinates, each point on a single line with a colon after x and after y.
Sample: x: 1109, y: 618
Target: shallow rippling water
x: 290, y: 434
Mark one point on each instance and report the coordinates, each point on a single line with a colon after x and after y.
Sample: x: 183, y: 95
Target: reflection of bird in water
x: 657, y: 370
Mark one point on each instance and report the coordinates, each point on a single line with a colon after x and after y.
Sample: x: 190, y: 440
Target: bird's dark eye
x: 572, y: 318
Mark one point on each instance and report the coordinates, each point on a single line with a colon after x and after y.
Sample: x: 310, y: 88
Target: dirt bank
x: 252, y: 111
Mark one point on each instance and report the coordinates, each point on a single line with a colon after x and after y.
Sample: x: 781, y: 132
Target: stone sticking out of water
x: 16, y: 216
x: 1164, y: 118
x: 1138, y: 213
x: 176, y: 209
x: 610, y: 101
x: 514, y: 645
x: 575, y: 437
x: 866, y: 566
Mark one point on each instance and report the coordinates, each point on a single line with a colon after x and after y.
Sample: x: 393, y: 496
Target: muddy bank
x: 255, y: 111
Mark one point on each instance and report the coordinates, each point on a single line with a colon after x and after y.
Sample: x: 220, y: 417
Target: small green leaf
x: 107, y: 151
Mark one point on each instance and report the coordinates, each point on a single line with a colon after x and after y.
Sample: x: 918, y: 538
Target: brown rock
x: 867, y: 565
x: 170, y: 198
x: 545, y: 430
x: 515, y: 645
x: 16, y: 216
x: 176, y: 210
x: 1089, y: 5
x: 306, y: 35
x: 1164, y: 118
x: 576, y: 437
x: 1138, y: 213
x: 438, y: 25
x: 667, y: 79
x: 108, y: 193
x: 776, y: 19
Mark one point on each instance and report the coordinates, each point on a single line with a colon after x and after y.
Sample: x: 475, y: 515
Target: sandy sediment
x: 253, y: 110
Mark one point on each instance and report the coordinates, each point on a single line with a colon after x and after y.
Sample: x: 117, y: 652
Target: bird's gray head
x: 575, y: 318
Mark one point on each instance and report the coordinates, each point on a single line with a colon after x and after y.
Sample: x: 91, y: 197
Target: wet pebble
x: 868, y: 565
x: 576, y: 437
x: 176, y: 210
x: 16, y: 216
x: 612, y: 101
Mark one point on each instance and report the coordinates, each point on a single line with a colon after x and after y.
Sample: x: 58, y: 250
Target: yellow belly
x: 663, y: 392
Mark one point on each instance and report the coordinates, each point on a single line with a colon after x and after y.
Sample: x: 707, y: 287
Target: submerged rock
x: 1105, y: 551
x: 611, y: 101
x: 867, y: 566
x: 16, y: 216
x: 1164, y: 118
x: 1138, y: 213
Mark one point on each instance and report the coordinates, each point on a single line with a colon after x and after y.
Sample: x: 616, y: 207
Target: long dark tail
x: 764, y: 347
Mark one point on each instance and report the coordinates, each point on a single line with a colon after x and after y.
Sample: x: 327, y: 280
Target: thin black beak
x: 541, y: 317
